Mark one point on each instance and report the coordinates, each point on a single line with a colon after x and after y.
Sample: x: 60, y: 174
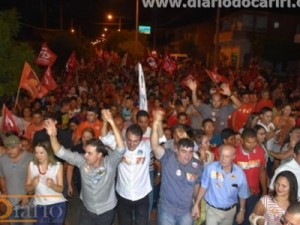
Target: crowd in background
x: 260, y: 115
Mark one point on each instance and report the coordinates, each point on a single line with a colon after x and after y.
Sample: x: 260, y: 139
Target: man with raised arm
x: 215, y: 110
x: 180, y: 177
x: 98, y: 169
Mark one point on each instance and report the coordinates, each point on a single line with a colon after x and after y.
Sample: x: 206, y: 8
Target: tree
x: 13, y: 53
x: 189, y: 48
x: 124, y: 42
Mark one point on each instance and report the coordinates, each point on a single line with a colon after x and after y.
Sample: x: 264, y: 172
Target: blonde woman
x: 45, y: 181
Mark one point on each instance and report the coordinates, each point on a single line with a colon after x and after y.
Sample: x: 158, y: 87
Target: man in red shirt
x: 265, y: 101
x: 35, y: 125
x: 240, y: 116
x: 251, y: 158
x: 92, y: 121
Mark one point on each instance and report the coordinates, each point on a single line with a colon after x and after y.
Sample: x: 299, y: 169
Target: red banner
x: 48, y: 81
x: 169, y: 65
x: 215, y: 77
x: 46, y: 57
x: 8, y: 122
x: 30, y: 82
x: 71, y: 64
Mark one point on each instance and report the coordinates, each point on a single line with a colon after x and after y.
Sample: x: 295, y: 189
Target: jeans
x: 133, y: 212
x: 51, y: 214
x: 22, y: 213
x: 89, y: 218
x: 166, y: 218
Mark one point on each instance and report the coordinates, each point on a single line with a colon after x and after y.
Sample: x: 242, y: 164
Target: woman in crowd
x: 45, y: 181
x: 26, y: 117
x: 251, y: 121
x: 287, y: 150
x: 272, y: 207
x: 284, y: 122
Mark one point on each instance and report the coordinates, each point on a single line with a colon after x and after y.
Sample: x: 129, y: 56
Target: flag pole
x: 215, y: 84
x: 17, y: 97
x: 2, y: 122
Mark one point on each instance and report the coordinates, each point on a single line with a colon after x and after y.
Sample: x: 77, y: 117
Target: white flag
x: 142, y: 89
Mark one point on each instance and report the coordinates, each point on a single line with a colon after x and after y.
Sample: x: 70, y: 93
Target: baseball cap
x: 11, y: 141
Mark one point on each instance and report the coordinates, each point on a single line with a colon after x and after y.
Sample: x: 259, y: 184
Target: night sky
x: 89, y: 15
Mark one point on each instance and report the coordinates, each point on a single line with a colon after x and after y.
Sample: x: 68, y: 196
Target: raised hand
x: 158, y: 115
x: 192, y: 84
x: 50, y: 127
x: 106, y: 115
x: 225, y: 89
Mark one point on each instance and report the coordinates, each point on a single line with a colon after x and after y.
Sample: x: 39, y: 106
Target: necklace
x: 40, y: 171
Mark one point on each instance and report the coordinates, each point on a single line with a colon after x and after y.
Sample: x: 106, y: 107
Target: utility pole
x: 61, y: 22
x: 136, y: 24
x: 216, y: 50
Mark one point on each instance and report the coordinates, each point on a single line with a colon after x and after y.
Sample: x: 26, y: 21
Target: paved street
x: 73, y: 212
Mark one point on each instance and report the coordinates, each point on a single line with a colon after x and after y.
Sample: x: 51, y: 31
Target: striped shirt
x: 273, y: 211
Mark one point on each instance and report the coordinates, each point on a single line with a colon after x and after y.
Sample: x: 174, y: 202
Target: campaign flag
x: 48, y: 81
x: 169, y: 65
x: 46, y: 57
x: 151, y: 61
x: 31, y: 83
x: 8, y: 122
x: 215, y: 77
x: 142, y: 89
x: 71, y: 64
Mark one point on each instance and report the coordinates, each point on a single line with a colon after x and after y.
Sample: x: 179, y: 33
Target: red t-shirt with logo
x: 251, y: 163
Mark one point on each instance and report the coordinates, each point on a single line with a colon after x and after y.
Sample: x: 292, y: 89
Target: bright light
x: 109, y: 16
x: 119, y: 30
x: 72, y: 30
x: 105, y: 29
x: 103, y: 35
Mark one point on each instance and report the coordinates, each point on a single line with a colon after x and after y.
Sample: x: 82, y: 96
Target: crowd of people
x: 203, y: 152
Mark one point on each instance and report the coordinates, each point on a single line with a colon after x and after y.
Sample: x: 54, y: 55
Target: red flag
x: 8, y: 122
x: 152, y: 63
x: 169, y: 65
x: 71, y: 64
x: 151, y: 60
x: 48, y: 81
x: 30, y: 82
x: 46, y: 57
x: 215, y: 77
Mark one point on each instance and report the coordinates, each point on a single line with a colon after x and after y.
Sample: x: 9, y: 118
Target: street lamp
x: 110, y: 17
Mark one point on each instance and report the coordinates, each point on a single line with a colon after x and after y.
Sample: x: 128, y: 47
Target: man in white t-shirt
x: 133, y: 181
